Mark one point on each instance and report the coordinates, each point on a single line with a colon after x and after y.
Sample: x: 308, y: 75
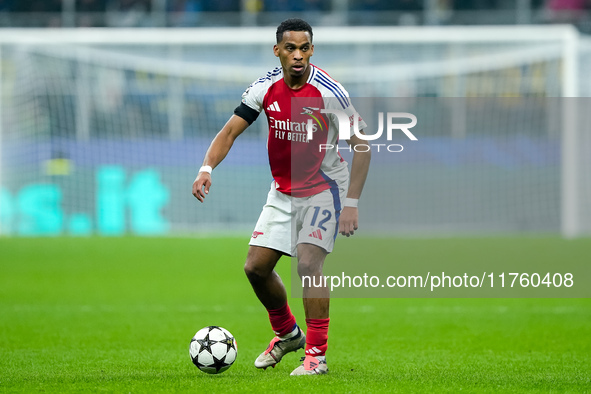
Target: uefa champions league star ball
x: 213, y: 349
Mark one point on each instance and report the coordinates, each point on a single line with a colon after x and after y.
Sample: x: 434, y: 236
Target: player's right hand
x: 201, y: 185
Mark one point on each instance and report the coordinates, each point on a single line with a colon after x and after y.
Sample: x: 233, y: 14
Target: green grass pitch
x: 117, y: 315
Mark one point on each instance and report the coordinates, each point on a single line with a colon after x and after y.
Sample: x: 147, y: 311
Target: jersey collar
x: 312, y: 73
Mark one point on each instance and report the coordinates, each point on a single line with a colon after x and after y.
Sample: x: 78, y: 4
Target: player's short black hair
x: 293, y: 24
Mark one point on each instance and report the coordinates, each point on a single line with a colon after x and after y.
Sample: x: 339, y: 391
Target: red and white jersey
x: 299, y: 166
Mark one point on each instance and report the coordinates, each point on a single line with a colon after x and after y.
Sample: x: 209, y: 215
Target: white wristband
x: 351, y: 202
x: 205, y: 169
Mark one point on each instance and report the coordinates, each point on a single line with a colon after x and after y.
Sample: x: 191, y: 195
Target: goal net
x: 102, y: 131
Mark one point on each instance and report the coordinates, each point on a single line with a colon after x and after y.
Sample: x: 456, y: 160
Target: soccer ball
x: 213, y: 349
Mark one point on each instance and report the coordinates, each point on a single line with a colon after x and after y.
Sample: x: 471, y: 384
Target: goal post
x: 572, y: 223
x: 92, y: 118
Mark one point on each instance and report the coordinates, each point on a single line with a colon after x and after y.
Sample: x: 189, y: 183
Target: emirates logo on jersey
x: 287, y: 125
x: 289, y: 130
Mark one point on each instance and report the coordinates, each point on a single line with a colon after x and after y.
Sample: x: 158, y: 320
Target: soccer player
x: 312, y: 196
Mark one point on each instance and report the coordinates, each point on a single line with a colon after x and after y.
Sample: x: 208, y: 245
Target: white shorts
x: 287, y: 221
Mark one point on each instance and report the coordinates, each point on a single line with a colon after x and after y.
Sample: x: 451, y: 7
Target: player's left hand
x: 348, y: 221
x: 201, y: 185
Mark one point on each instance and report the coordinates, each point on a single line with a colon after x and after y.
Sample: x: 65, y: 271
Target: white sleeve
x: 252, y: 96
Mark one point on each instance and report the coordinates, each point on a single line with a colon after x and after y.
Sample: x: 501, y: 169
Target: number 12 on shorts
x: 327, y: 215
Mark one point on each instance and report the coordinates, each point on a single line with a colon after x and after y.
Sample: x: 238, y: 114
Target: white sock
x: 291, y: 334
